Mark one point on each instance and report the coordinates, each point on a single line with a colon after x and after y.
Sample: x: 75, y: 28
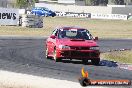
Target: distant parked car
x: 72, y: 43
x: 42, y: 11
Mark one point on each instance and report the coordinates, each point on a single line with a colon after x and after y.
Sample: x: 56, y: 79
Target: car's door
x: 39, y: 11
x: 51, y: 43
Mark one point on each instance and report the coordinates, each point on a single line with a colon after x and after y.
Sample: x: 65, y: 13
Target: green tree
x: 92, y: 2
x: 116, y: 2
x: 21, y: 3
x: 128, y: 2
x: 88, y: 2
x: 103, y: 2
x: 25, y: 3
x: 96, y: 2
x: 119, y: 2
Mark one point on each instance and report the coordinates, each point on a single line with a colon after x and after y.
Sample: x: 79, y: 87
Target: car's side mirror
x: 52, y: 36
x: 96, y: 38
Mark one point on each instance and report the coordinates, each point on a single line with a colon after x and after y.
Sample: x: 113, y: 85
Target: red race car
x: 72, y: 43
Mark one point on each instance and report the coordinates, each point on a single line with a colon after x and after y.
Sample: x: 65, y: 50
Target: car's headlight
x: 94, y: 48
x: 64, y: 47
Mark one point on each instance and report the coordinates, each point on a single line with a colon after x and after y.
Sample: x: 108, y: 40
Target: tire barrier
x: 32, y: 21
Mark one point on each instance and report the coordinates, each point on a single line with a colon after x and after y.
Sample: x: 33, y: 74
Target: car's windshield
x: 43, y: 8
x: 75, y: 34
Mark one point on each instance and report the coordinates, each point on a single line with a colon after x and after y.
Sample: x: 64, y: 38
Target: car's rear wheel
x: 45, y: 15
x: 52, y: 15
x: 96, y: 61
x: 55, y: 56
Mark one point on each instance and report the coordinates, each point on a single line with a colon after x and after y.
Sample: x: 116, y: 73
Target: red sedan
x: 72, y: 43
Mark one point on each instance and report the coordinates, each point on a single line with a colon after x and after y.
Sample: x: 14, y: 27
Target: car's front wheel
x: 45, y: 15
x: 96, y: 61
x: 55, y: 56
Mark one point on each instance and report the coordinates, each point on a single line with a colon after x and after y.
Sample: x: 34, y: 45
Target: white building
x: 7, y: 3
x: 69, y: 2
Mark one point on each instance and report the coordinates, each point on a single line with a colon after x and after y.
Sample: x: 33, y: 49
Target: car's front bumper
x: 78, y: 54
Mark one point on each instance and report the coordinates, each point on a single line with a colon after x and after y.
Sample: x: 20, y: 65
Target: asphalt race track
x: 28, y: 56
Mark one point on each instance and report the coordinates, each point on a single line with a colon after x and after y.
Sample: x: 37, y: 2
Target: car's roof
x: 70, y: 27
x: 41, y: 8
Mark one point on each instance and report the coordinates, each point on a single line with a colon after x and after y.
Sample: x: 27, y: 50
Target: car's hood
x: 70, y: 42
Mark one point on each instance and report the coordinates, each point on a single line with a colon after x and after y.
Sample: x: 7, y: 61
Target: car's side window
x: 55, y: 32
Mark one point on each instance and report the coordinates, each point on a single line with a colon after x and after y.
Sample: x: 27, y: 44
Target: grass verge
x: 118, y: 56
x: 100, y: 28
